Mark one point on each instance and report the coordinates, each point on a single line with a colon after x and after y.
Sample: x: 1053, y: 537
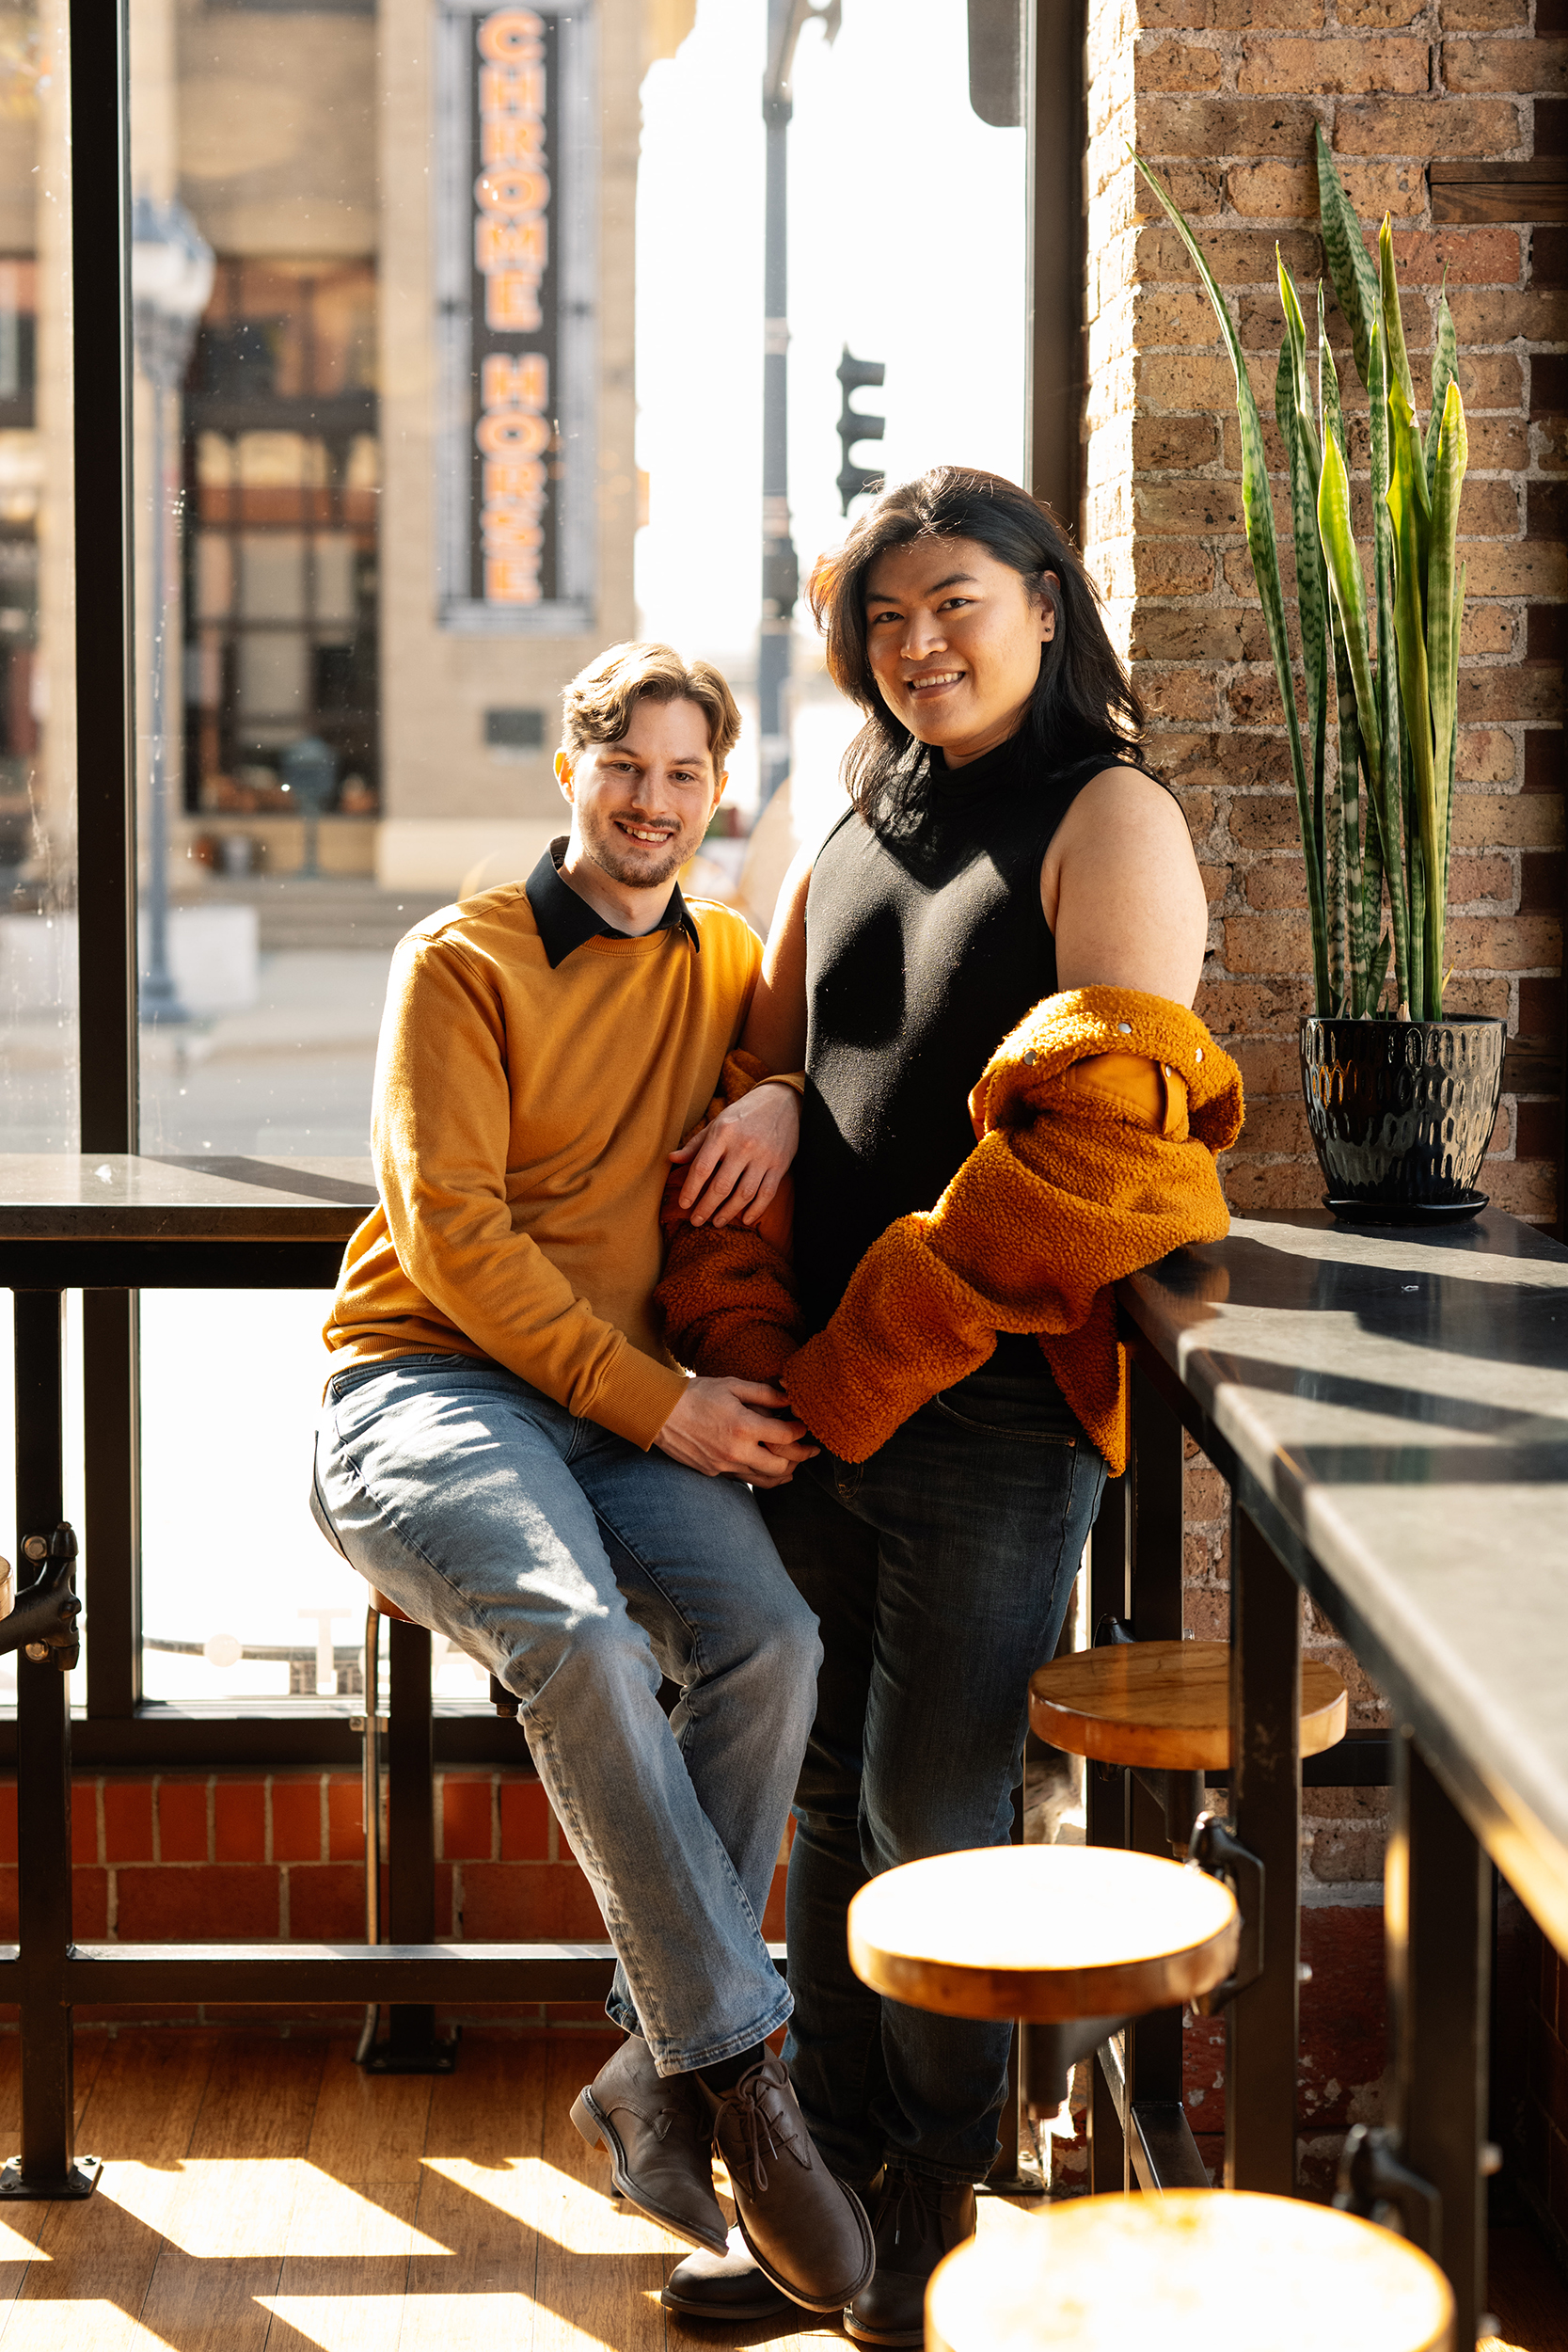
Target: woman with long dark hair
x: 1010, y: 894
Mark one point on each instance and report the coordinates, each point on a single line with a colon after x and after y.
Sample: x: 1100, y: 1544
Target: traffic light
x: 853, y: 427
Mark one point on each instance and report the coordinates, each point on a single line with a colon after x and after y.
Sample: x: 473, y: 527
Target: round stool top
x: 1196, y: 2270
x: 1164, y: 1704
x: 1051, y: 1933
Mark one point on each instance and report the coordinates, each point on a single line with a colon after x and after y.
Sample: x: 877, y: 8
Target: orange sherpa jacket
x: 1080, y: 1177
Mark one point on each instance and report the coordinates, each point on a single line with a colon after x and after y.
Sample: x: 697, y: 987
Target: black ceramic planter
x: 1401, y: 1114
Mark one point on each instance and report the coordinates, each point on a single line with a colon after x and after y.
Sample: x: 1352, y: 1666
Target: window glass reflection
x: 38, y: 800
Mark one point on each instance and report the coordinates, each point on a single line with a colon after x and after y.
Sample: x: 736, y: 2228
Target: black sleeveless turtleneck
x: 925, y: 944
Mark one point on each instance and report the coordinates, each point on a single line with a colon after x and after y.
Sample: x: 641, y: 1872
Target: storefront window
x: 468, y: 383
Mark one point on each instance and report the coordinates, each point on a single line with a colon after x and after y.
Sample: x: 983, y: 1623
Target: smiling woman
x: 1007, y: 871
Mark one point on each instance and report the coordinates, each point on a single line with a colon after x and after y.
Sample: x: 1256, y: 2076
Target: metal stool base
x: 80, y: 2181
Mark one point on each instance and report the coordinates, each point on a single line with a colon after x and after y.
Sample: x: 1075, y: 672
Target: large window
x: 451, y: 346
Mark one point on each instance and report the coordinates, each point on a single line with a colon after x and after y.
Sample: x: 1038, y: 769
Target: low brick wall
x: 243, y: 1858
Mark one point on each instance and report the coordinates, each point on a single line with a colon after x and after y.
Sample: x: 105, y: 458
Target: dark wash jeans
x: 939, y: 1573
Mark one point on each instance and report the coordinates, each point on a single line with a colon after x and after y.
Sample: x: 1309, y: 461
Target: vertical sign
x: 517, y: 196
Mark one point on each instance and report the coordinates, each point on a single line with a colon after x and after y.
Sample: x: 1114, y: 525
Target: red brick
x: 525, y: 1812
x: 225, y: 1901
x: 296, y: 1821
x: 1334, y: 67
x: 467, y: 1829
x: 183, y: 1820
x: 446, y: 1920
x: 1246, y: 126
x: 327, y: 1902
x: 240, y: 1821
x: 1405, y: 126
x: 84, y: 1820
x: 345, y: 1820
x: 8, y: 1821
x: 89, y: 1903
x: 509, y: 1901
x: 773, y: 1916
x: 127, y: 1821
x: 1536, y: 68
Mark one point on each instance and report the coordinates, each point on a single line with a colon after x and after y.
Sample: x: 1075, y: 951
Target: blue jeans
x: 941, y: 1571
x: 577, y: 1567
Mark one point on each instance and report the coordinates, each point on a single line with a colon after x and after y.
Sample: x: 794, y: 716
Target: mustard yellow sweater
x: 521, y: 1125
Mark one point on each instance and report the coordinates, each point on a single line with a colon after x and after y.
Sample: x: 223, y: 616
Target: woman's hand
x: 734, y: 1166
x: 737, y: 1429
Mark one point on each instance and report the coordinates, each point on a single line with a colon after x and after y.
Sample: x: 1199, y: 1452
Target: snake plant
x: 1374, y: 814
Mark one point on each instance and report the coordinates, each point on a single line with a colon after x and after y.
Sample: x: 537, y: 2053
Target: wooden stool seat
x: 1164, y: 1705
x: 1045, y: 1932
x: 1196, y: 2270
x: 385, y: 1608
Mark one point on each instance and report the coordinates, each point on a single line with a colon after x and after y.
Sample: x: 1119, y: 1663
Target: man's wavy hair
x: 1083, y: 702
x: 596, y: 706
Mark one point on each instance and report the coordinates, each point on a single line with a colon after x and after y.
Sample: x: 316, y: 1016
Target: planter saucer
x: 1406, y: 1213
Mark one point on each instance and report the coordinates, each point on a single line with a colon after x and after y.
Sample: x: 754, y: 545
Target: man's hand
x: 736, y: 1429
x: 738, y: 1159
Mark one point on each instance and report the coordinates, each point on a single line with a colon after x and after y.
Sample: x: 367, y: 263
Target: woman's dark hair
x: 1083, y: 702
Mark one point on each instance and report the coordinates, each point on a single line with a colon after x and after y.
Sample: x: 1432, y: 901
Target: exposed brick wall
x: 219, y: 1857
x: 1221, y: 97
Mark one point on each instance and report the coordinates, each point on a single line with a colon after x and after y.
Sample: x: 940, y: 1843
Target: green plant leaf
x: 1388, y: 796
x: 1257, y: 511
x: 1350, y: 264
x: 1407, y: 503
x: 1445, y: 361
x: 1444, y: 612
x: 1393, y: 324
x: 1298, y: 431
x: 1330, y: 415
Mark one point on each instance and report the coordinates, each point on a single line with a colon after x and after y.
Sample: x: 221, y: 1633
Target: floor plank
x: 227, y: 2223
x: 144, y: 2094
x: 345, y: 2274
x: 368, y: 2127
x: 476, y: 2200
x: 600, y: 2265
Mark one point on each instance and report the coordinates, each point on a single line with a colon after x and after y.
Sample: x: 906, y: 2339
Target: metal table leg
x: 47, y: 2166
x: 412, y: 2045
x: 1438, y: 1925
x: 1263, y: 2020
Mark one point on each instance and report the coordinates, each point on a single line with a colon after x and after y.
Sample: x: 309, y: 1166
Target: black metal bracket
x: 43, y: 1622
x: 1180, y: 1795
x: 1218, y: 1852
x: 1374, y: 2184
x: 79, y: 2181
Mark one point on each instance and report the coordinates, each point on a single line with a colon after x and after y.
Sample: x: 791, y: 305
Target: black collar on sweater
x: 565, y: 921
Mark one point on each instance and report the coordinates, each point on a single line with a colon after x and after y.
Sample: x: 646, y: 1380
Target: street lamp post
x: 172, y: 278
x: 781, y: 572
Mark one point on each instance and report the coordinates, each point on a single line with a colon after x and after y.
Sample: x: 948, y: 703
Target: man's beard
x: 619, y: 861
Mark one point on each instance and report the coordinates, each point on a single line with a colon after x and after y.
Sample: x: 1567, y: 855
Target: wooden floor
x: 264, y: 2193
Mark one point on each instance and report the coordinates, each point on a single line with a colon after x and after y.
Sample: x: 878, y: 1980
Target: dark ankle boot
x: 915, y: 2222
x: 803, y: 2229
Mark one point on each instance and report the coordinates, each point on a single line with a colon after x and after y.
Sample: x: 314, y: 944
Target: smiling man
x: 508, y: 1452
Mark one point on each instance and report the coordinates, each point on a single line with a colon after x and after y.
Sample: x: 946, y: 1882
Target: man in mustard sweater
x: 510, y: 1454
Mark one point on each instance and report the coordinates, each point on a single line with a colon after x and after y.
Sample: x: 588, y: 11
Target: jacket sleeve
x: 1074, y: 1184
x: 440, y: 1145
x: 727, y: 1294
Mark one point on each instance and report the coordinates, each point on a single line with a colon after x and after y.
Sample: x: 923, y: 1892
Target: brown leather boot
x: 916, y: 2222
x: 805, y: 2231
x: 656, y: 2131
